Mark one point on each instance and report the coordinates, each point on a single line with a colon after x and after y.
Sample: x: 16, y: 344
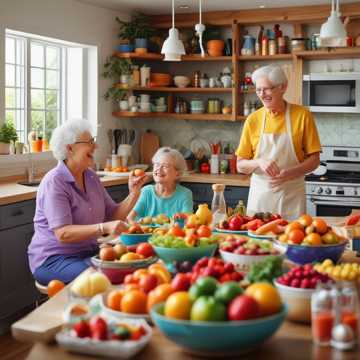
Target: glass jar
x: 272, y: 47
x: 218, y: 204
x: 298, y: 44
x: 135, y: 75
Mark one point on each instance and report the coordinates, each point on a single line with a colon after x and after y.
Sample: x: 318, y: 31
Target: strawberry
x: 82, y: 329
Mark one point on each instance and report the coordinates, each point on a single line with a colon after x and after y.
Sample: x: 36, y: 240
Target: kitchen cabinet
x: 203, y: 193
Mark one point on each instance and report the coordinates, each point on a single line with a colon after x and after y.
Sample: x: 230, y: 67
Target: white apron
x: 288, y: 199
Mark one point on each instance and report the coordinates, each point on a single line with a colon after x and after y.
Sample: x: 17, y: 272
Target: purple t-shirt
x: 60, y: 202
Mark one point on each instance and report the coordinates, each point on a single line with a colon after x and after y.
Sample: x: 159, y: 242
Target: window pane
x: 51, y: 99
x: 18, y: 99
x: 20, y: 51
x: 52, y: 79
x: 10, y: 116
x: 37, y: 55
x: 52, y: 58
x: 37, y: 120
x: 37, y: 99
x: 37, y: 78
x: 52, y: 120
x: 20, y: 80
x: 9, y: 97
x: 10, y: 50
x: 9, y: 75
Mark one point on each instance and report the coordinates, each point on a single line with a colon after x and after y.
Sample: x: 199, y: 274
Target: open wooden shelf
x: 212, y: 117
x: 250, y: 91
x: 336, y: 53
x: 154, y: 56
x: 265, y: 57
x: 178, y: 89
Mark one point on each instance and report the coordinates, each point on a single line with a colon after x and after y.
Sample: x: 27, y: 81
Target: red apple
x: 235, y: 223
x: 181, y: 282
x: 243, y: 307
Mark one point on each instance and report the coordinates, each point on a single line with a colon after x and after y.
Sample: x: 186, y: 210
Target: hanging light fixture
x: 200, y: 28
x: 333, y: 32
x: 173, y: 47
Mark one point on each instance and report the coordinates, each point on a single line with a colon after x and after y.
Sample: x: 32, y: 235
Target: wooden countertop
x: 292, y: 340
x: 12, y: 192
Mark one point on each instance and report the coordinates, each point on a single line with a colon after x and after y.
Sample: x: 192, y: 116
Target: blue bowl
x: 209, y: 337
x: 193, y: 254
x: 125, y: 48
x: 301, y: 254
x: 134, y: 239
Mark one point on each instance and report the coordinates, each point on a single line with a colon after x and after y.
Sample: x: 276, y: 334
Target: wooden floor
x: 11, y: 349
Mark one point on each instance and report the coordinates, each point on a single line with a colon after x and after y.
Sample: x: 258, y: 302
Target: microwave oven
x: 332, y: 92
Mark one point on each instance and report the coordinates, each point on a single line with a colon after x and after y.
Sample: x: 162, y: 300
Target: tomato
x: 292, y: 226
x: 320, y: 226
x: 178, y: 306
x: 181, y: 282
x: 54, y: 286
x: 203, y: 231
x: 243, y: 308
x: 148, y: 282
x: 176, y: 230
x: 352, y: 220
x: 296, y: 236
x: 267, y: 297
x: 305, y: 220
x: 236, y: 222
x: 207, y: 308
x: 145, y: 249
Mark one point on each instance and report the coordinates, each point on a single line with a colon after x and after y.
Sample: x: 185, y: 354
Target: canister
x: 272, y: 47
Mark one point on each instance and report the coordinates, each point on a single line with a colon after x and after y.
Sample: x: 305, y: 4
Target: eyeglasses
x: 92, y: 141
x: 267, y: 90
x: 164, y: 166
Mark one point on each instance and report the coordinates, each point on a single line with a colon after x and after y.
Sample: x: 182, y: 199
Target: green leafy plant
x: 114, y: 67
x: 138, y: 27
x: 115, y: 94
x: 8, y: 133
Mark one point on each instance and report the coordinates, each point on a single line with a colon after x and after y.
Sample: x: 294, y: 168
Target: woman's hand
x: 283, y: 176
x: 115, y: 227
x: 269, y: 167
x: 136, y: 183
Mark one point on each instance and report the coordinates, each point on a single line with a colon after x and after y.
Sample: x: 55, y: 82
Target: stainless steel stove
x: 334, y: 187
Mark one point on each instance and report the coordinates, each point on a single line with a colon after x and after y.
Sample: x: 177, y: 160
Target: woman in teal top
x: 166, y: 196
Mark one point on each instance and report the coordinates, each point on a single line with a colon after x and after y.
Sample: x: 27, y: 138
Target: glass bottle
x: 240, y: 208
x: 218, y: 205
x: 349, y: 306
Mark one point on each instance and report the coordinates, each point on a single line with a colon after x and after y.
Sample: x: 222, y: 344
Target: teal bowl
x: 134, y: 239
x: 192, y: 254
x: 221, y: 337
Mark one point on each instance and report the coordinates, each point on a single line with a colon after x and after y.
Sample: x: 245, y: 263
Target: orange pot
x: 215, y: 47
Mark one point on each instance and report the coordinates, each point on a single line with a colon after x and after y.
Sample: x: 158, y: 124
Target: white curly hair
x: 67, y: 134
x: 176, y: 158
x: 274, y: 73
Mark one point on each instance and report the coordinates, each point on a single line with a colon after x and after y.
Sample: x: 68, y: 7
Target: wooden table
x: 291, y: 341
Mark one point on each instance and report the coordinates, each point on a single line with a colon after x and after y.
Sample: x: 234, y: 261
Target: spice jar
x: 196, y: 79
x: 281, y: 43
x: 297, y: 44
x: 264, y: 46
x: 136, y: 75
x: 272, y: 47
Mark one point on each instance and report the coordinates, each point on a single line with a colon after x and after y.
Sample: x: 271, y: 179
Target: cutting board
x: 149, y: 144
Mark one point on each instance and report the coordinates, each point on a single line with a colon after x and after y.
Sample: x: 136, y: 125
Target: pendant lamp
x: 333, y: 32
x: 173, y: 47
x: 200, y: 28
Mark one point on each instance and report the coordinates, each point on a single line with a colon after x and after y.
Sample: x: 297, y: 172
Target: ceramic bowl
x: 133, y: 239
x: 217, y: 337
x: 125, y: 48
x: 181, y: 81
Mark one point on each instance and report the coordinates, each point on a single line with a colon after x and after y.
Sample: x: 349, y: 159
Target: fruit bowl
x: 302, y: 254
x: 234, y: 232
x: 298, y: 301
x: 117, y: 270
x: 133, y: 239
x: 192, y: 254
x: 217, y: 337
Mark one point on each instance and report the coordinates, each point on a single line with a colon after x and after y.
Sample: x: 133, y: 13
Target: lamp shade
x: 332, y: 32
x: 173, y: 47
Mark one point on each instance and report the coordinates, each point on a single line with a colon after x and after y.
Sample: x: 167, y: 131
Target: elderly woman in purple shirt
x: 72, y: 207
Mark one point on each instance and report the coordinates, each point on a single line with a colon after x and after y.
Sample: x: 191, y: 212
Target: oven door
x: 331, y: 206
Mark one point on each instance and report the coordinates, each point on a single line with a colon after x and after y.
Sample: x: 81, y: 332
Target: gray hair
x: 175, y: 156
x: 274, y: 73
x: 67, y: 134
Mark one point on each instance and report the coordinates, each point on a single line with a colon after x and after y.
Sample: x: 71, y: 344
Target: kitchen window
x: 43, y: 83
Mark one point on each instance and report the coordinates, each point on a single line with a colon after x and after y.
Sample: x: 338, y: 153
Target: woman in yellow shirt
x: 278, y: 146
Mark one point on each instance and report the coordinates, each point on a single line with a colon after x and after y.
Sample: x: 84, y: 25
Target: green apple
x: 207, y: 308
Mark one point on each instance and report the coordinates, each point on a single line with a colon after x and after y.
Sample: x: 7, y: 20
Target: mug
x: 160, y: 101
x: 124, y: 105
x: 212, y: 82
x: 145, y: 107
x: 132, y: 101
x: 144, y: 98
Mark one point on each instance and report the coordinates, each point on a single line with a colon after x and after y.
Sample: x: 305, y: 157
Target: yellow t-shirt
x: 304, y: 132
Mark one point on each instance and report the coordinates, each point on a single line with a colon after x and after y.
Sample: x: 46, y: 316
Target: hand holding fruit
x: 137, y: 179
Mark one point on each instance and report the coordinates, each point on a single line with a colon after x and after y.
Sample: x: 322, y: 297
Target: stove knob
x: 319, y: 190
x: 356, y: 191
x: 327, y: 191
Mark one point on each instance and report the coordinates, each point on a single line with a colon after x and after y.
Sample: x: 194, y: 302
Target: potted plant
x: 115, y: 67
x: 137, y: 30
x: 118, y: 95
x: 7, y: 135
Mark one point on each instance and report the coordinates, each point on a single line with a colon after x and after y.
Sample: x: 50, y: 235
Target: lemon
x: 352, y: 275
x: 344, y: 273
x: 327, y: 262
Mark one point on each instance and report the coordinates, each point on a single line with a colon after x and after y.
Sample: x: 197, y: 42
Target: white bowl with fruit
x: 296, y: 288
x: 243, y: 251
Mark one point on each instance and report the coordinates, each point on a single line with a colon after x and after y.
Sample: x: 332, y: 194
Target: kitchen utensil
x: 149, y: 144
x: 198, y: 144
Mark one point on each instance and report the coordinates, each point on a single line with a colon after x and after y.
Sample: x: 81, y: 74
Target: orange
x: 296, y: 236
x: 113, y: 300
x: 266, y: 296
x: 305, y: 220
x: 178, y: 306
x: 131, y: 286
x: 176, y: 230
x: 320, y: 226
x: 292, y: 226
x: 54, y: 286
x: 139, y: 273
x: 313, y: 239
x: 158, y: 295
x: 131, y: 256
x: 134, y: 302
